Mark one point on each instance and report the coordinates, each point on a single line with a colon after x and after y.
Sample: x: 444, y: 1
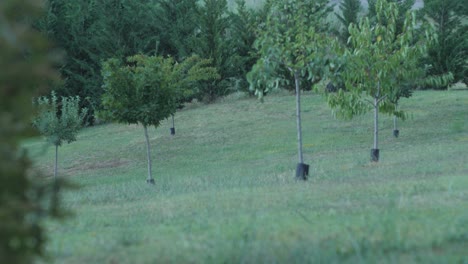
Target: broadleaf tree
x: 59, y: 121
x: 291, y: 39
x: 148, y: 89
x: 379, y: 63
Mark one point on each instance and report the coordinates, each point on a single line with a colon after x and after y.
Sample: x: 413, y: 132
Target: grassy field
x: 225, y: 189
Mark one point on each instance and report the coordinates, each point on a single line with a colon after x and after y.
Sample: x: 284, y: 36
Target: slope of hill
x: 225, y: 189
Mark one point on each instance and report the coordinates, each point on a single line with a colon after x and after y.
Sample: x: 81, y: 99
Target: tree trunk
x: 173, y: 126
x: 298, y: 117
x: 150, y: 179
x: 56, y: 161
x: 396, y: 132
x: 376, y: 123
x: 302, y: 170
x: 375, y: 150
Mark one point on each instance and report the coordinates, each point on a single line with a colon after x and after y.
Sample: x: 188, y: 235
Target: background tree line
x: 91, y: 31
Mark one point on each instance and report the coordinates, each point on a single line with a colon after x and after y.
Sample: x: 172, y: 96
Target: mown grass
x: 225, y: 189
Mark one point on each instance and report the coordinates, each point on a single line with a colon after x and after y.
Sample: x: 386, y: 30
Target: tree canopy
x: 379, y: 63
x: 292, y: 39
x: 59, y: 121
x: 148, y: 89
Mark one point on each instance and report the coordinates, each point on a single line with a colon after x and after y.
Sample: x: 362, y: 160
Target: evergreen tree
x: 91, y: 31
x: 214, y: 42
x: 447, y: 54
x: 177, y: 22
x: 243, y: 31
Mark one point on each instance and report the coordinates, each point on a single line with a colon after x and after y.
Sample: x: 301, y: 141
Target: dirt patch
x: 93, y: 165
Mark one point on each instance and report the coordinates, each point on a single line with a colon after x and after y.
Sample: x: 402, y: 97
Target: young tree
x: 378, y: 64
x: 26, y: 65
x: 147, y: 89
x: 59, y: 121
x: 291, y: 40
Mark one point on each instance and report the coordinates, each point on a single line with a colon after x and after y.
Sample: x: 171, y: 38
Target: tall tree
x: 91, y: 31
x: 177, y: 22
x: 214, y: 42
x: 291, y: 39
x: 59, y: 121
x: 244, y: 22
x: 378, y: 63
x: 147, y: 89
x: 447, y: 53
x: 26, y: 65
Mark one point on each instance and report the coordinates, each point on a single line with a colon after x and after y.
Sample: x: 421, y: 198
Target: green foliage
x: 292, y: 39
x: 177, y: 22
x: 148, y: 89
x: 379, y: 63
x: 447, y: 53
x: 244, y: 23
x: 403, y: 7
x: 214, y: 42
x: 349, y: 12
x: 59, y: 121
x: 90, y: 32
x: 26, y: 68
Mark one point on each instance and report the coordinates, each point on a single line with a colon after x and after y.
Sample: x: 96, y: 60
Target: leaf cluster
x: 380, y: 62
x: 59, y: 121
x: 446, y: 61
x: 148, y: 89
x: 349, y: 14
x: 293, y: 39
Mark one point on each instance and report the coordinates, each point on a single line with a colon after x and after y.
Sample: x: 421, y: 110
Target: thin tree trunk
x: 173, y: 126
x: 148, y: 154
x: 376, y: 123
x: 375, y: 150
x: 298, y: 116
x: 395, y: 118
x: 376, y: 117
x: 56, y: 161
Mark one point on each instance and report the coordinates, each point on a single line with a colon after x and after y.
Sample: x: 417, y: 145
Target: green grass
x: 225, y: 189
